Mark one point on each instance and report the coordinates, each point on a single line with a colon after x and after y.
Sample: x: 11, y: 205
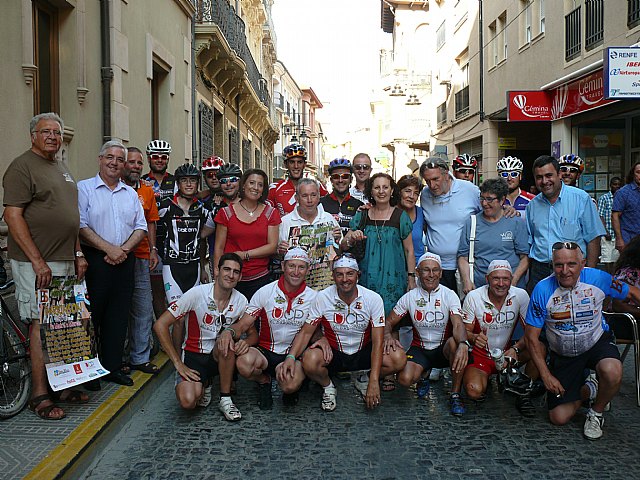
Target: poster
x: 615, y: 163
x: 590, y: 165
x: 588, y: 182
x: 318, y: 241
x: 70, y: 347
x: 602, y: 164
x: 601, y: 181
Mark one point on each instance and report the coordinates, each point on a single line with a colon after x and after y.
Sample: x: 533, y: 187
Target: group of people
x: 411, y: 278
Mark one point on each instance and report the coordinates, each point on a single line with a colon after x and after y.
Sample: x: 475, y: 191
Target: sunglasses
x: 512, y: 174
x: 340, y: 176
x: 362, y: 167
x: 465, y: 170
x: 566, y: 169
x: 567, y: 245
x: 432, y: 165
x: 225, y: 180
x: 210, y: 175
x: 296, y: 153
x: 159, y: 156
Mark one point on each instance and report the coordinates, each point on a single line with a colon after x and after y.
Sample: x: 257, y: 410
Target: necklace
x: 250, y: 212
x: 378, y: 233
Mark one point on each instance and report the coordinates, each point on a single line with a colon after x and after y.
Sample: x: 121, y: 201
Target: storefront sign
x: 585, y: 93
x: 507, y: 143
x: 622, y: 72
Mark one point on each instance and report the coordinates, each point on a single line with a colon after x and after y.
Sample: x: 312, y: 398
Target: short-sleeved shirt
x: 505, y: 239
x: 627, y: 201
x: 605, y: 203
x: 281, y: 314
x: 166, y: 188
x: 630, y: 276
x: 498, y: 325
x: 521, y: 202
x: 445, y: 216
x: 181, y: 243
x: 343, y: 211
x: 358, y: 194
x: 49, y: 196
x: 347, y: 327
x: 430, y: 313
x: 282, y: 195
x: 573, y: 316
x: 148, y: 202
x: 204, y: 320
x: 572, y: 218
x: 417, y: 234
x: 243, y: 237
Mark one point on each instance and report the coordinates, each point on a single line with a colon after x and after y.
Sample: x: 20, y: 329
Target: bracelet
x: 233, y: 332
x: 412, y: 274
x: 291, y: 356
x: 246, y: 256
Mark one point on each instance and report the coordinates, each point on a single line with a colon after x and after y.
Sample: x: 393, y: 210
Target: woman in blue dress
x: 409, y: 187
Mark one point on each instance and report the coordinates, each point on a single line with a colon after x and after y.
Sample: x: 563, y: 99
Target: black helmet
x: 229, y: 170
x: 186, y: 170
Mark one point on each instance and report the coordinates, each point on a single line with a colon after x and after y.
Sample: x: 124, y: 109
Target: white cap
x: 499, y: 265
x: 297, y: 253
x: 430, y: 256
x: 346, y: 261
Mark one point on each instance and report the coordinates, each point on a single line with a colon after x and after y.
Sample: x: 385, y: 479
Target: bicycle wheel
x: 15, y: 381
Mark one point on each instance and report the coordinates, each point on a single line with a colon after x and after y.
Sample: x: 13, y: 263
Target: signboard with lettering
x: 622, y: 72
x: 318, y: 241
x: 69, y: 341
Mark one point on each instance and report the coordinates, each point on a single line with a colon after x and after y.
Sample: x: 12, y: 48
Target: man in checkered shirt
x: 608, y: 253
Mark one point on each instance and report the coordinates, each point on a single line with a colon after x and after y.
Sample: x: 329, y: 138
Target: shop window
x: 601, y: 146
x: 45, y: 44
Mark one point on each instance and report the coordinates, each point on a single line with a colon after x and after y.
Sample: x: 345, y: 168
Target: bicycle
x: 15, y: 371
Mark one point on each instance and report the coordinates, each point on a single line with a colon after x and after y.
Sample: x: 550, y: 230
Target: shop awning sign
x: 622, y: 72
x: 582, y: 94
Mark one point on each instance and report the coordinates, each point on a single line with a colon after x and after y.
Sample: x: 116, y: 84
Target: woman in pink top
x: 249, y: 228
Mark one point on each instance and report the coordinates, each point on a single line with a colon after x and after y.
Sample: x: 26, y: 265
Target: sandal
x: 44, y: 412
x: 147, y: 367
x: 74, y: 397
x: 388, y: 383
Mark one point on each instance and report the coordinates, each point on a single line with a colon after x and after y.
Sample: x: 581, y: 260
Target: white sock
x: 331, y: 385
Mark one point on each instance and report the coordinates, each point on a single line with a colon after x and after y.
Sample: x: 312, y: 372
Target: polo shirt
x: 627, y: 201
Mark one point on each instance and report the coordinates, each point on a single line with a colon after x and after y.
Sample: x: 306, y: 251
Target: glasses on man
x: 488, y: 199
x: 340, y: 176
x: 566, y: 168
x: 427, y: 270
x: 362, y: 167
x: 45, y: 132
x: 111, y: 158
x: 159, y: 156
x: 225, y: 180
x: 512, y: 174
x: 563, y: 245
x: 465, y: 171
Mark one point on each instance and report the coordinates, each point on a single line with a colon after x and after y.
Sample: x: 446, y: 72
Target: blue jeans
x: 141, y: 314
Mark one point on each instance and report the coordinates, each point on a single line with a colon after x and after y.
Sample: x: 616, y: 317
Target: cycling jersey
x: 282, y: 195
x: 165, y: 189
x: 178, y: 278
x: 182, y: 232
x: 497, y: 325
x: 573, y: 316
x: 281, y: 314
x: 347, y: 327
x: 430, y: 312
x: 203, y: 320
x: 521, y: 202
x: 358, y: 194
x: 343, y: 211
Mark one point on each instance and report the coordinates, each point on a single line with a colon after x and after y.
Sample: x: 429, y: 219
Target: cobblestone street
x: 404, y: 438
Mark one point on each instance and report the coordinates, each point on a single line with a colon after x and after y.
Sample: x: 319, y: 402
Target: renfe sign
x: 583, y: 94
x: 622, y: 72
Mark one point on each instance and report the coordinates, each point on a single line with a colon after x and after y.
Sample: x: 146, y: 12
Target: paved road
x: 405, y: 438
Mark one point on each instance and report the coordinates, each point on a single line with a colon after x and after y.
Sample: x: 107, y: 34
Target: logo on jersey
x: 421, y: 302
x: 208, y: 319
x: 279, y: 300
x: 561, y: 315
x: 358, y: 305
x: 300, y: 301
x: 339, y: 306
x: 487, y: 317
x: 173, y: 307
x: 556, y: 300
x: 509, y: 302
x: 277, y: 312
x: 437, y: 303
x: 507, y: 236
x: 418, y: 315
x: 230, y: 308
x: 338, y: 318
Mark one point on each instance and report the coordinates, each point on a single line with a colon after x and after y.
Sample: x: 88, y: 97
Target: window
x: 493, y: 40
x: 633, y: 13
x: 541, y: 13
x: 572, y: 34
x: 441, y: 114
x: 45, y: 45
x: 462, y: 102
x: 502, y: 34
x: 594, y: 23
x: 158, y: 84
x: 440, y: 36
x: 525, y: 21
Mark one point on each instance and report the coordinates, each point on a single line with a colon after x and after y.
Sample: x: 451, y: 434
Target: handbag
x: 358, y: 249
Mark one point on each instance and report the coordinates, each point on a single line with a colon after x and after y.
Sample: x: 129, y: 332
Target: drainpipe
x: 194, y: 145
x: 106, y: 74
x: 480, y: 39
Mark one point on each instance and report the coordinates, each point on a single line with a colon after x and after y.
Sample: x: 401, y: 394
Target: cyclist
x: 229, y: 175
x: 212, y: 196
x: 282, y: 193
x: 510, y: 168
x: 464, y: 167
x: 339, y: 202
x: 571, y: 167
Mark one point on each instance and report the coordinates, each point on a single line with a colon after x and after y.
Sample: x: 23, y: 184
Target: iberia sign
x: 583, y: 94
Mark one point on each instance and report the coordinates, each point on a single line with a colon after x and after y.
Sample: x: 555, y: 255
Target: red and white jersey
x: 347, y: 327
x: 203, y: 320
x: 282, y: 195
x: 281, y: 316
x: 430, y: 312
x: 498, y: 325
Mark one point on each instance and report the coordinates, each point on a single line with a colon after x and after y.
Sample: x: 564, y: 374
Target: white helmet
x: 158, y: 146
x: 507, y: 164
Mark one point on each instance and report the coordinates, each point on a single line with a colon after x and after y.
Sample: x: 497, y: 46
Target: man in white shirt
x: 362, y: 171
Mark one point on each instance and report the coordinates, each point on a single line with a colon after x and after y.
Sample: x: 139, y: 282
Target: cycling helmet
x: 465, y: 161
x: 340, y: 163
x: 229, y: 170
x: 159, y: 146
x: 508, y: 164
x: 573, y: 160
x: 295, y: 150
x: 186, y: 170
x: 212, y: 163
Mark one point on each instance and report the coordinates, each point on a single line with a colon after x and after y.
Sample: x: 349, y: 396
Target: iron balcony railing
x: 572, y: 35
x: 633, y: 13
x: 232, y: 27
x: 594, y: 23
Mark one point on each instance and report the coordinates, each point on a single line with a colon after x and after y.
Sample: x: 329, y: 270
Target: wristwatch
x: 516, y: 349
x: 468, y: 344
x: 79, y: 254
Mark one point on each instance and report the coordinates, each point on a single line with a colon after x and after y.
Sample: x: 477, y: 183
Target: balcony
x: 572, y: 35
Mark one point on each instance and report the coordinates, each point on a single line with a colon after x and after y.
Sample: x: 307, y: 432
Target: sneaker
x: 436, y: 374
x: 593, y: 425
x: 592, y: 384
x: 265, y: 400
x: 329, y: 403
x: 229, y: 410
x: 205, y: 399
x: 422, y: 387
x: 290, y: 399
x: 362, y: 383
x: 457, y: 406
